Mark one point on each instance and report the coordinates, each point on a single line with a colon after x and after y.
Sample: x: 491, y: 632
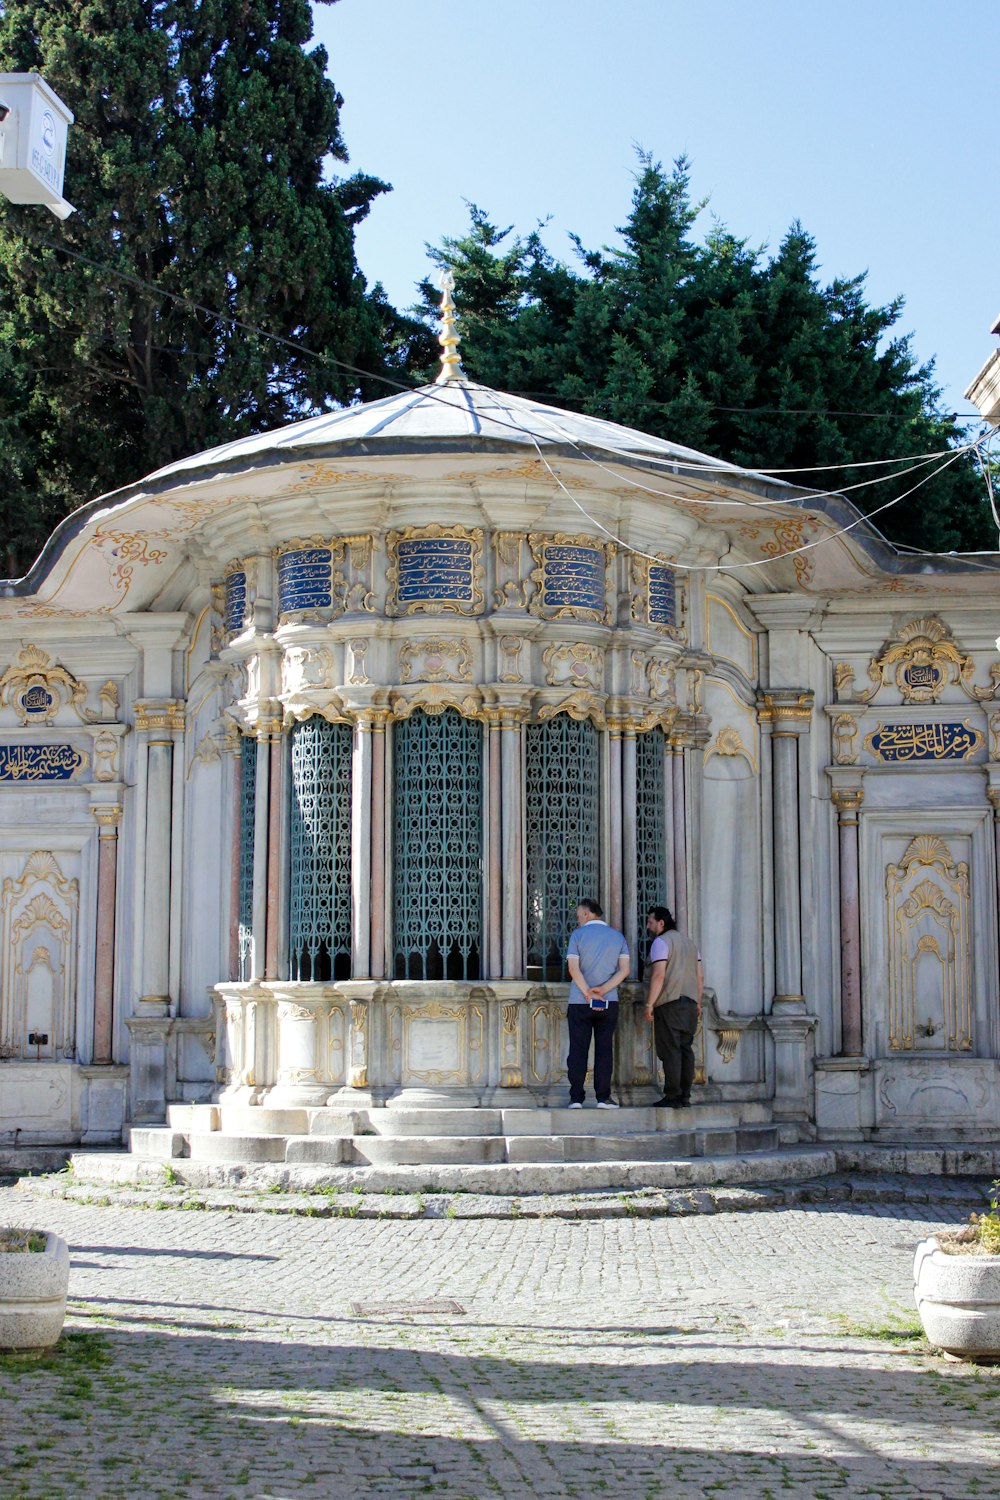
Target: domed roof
x: 457, y: 410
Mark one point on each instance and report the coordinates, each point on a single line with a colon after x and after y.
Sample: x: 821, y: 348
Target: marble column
x: 788, y: 714
x: 157, y: 721
x: 629, y: 849
x: 847, y: 801
x: 361, y: 848
x: 108, y: 819
x: 494, y: 874
x: 378, y: 867
x: 512, y: 795
x: 616, y: 853
x: 680, y: 835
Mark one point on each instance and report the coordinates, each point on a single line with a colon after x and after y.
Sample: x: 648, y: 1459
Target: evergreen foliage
x: 196, y: 163
x: 712, y: 344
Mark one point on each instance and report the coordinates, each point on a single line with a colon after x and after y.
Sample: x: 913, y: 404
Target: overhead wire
x: 728, y: 566
x: 247, y: 327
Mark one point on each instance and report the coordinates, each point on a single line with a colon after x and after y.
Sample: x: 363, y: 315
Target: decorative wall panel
x: 30, y: 763
x: 319, y: 837
x: 562, y: 810
x: 435, y: 570
x: 930, y: 990
x: 896, y: 744
x: 305, y: 579
x: 437, y: 848
x: 570, y: 576
x: 38, y: 954
x: 236, y: 602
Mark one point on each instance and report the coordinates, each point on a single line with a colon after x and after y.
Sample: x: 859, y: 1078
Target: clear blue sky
x: 877, y: 124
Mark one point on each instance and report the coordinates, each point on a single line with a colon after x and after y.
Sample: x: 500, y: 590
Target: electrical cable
x: 728, y: 567
x: 246, y: 327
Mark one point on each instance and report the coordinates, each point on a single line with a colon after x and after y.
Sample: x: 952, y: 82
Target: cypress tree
x: 196, y: 164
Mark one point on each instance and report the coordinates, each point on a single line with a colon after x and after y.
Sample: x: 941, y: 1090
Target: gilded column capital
x: 993, y: 798
x: 847, y: 800
x: 786, y: 710
x: 106, y: 816
x: 166, y: 716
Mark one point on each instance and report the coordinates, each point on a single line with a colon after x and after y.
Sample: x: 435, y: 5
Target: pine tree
x: 715, y: 345
x: 196, y: 164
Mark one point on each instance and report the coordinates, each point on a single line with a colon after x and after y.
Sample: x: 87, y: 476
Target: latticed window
x: 650, y: 828
x: 319, y: 836
x: 248, y: 807
x: 437, y: 846
x: 562, y: 782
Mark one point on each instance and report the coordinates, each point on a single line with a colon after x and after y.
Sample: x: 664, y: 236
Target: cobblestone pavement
x: 257, y: 1355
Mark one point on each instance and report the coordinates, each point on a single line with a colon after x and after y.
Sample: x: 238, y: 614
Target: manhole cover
x: 406, y: 1309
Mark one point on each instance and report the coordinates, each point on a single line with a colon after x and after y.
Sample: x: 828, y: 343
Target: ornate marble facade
x: 308, y: 748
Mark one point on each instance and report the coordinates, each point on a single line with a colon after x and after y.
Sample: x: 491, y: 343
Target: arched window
x: 650, y: 828
x: 562, y: 815
x: 319, y: 836
x: 437, y: 846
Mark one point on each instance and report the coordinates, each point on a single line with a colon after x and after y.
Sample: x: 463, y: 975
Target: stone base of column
x: 845, y: 1098
x: 148, y: 1068
x: 105, y: 1103
x: 791, y: 1031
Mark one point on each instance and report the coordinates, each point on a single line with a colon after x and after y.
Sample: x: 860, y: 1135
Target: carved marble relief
x: 662, y: 680
x: 435, y: 570
x: 927, y: 910
x: 511, y: 590
x: 923, y: 660
x: 576, y: 665
x: 435, y: 660
x: 357, y: 652
x: 845, y: 740
x: 38, y: 950
x: 37, y: 688
x: 304, y: 667
x: 510, y: 658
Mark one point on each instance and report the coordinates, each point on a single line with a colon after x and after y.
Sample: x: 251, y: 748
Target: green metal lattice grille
x: 438, y: 846
x: 248, y: 807
x: 562, y: 832
x: 319, y: 917
x: 650, y: 829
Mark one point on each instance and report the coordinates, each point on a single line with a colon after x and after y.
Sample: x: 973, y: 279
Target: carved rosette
x: 435, y: 660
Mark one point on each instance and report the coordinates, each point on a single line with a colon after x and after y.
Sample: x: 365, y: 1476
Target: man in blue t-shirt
x: 598, y: 961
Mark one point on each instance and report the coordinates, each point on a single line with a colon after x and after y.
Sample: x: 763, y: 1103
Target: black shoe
x: 666, y: 1103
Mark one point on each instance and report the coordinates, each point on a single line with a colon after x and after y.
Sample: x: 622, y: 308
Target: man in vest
x: 598, y: 961
x: 673, y: 1004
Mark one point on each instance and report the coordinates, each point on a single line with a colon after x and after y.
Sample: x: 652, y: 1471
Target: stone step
x: 656, y: 1146
x: 795, y: 1164
x: 214, y: 1146
x: 157, y: 1141
x: 427, y: 1150
x: 433, y: 1122
x: 638, y: 1120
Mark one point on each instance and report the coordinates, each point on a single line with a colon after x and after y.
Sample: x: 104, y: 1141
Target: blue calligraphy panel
x: 305, y: 580
x: 895, y: 744
x: 38, y: 762
x: 662, y: 595
x: 236, y: 602
x: 435, y: 569
x: 574, y: 577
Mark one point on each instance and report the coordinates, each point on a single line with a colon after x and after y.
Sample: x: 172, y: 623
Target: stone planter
x: 33, y: 1286
x: 958, y: 1299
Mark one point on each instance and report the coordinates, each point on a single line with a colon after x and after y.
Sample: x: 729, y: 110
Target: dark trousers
x: 674, y: 1028
x: 585, y: 1023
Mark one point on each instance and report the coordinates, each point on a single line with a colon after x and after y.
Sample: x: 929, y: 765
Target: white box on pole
x: 33, y: 126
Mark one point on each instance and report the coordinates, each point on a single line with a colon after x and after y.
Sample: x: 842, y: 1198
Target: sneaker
x: 607, y: 1104
x: 575, y: 1105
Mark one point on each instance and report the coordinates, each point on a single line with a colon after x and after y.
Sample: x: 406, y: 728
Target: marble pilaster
x: 786, y: 712
x: 511, y: 794
x: 108, y: 819
x: 361, y: 847
x: 629, y: 850
x: 847, y: 800
x: 615, y: 848
x: 378, y: 831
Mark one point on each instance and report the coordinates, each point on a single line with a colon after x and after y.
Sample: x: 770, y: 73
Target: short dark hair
x: 594, y: 907
x: 665, y: 915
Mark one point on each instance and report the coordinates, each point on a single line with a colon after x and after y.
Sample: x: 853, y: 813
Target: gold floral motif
x: 510, y: 649
x: 927, y: 897
x: 581, y: 665
x: 845, y: 735
x: 788, y: 535
x: 923, y: 660
x: 129, y: 550
x: 580, y: 705
x: 35, y: 689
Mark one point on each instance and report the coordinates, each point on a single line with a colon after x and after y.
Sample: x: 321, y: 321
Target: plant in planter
x: 34, y: 1279
x: 956, y: 1278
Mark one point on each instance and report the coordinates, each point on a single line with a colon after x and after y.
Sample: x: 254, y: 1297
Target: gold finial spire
x: 448, y: 338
